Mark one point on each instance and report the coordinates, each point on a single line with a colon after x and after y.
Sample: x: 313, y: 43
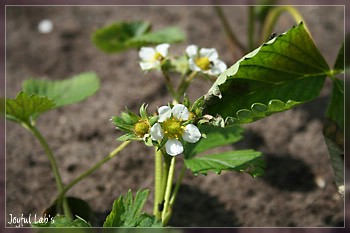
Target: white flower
x: 171, y: 124
x: 152, y: 58
x: 205, y: 60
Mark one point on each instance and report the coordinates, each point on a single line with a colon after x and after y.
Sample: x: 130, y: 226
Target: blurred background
x: 298, y: 188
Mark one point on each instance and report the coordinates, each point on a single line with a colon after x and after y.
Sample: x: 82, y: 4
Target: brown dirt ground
x: 80, y: 134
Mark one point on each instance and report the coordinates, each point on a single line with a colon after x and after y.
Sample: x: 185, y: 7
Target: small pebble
x: 45, y: 26
x: 320, y: 182
x: 341, y: 190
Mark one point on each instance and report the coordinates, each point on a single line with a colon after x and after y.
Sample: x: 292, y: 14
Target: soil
x: 297, y: 189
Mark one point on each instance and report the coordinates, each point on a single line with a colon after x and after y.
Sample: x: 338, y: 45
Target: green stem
x: 169, y: 86
x: 191, y: 77
x: 209, y: 78
x: 166, y: 166
x: 158, y: 183
x: 272, y: 17
x: 231, y: 36
x: 94, y: 168
x: 53, y: 163
x: 166, y: 211
x: 177, y: 187
x: 185, y: 83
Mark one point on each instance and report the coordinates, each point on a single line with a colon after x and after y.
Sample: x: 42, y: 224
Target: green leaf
x: 146, y: 220
x: 333, y: 131
x: 242, y: 160
x: 121, y: 36
x: 214, y: 137
x: 128, y: 137
x: 143, y: 230
x: 77, y: 206
x: 339, y: 62
x: 286, y: 71
x: 66, y: 230
x: 335, y: 111
x: 62, y: 221
x: 26, y: 108
x: 64, y: 92
x: 126, y: 212
x: 167, y: 35
x: 114, y: 38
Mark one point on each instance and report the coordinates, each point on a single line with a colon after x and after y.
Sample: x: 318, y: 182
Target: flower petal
x: 218, y: 67
x: 180, y: 112
x: 191, y: 133
x: 192, y: 65
x: 147, y: 53
x: 173, y: 147
x: 192, y: 51
x: 156, y: 132
x: 211, y: 54
x: 146, y: 65
x: 164, y: 113
x: 163, y: 49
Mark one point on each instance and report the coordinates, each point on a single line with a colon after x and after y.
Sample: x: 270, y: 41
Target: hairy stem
x: 231, y: 36
x: 166, y: 166
x: 177, y: 187
x: 94, y: 168
x: 174, y: 195
x: 185, y: 83
x: 272, y: 17
x: 158, y: 183
x: 169, y: 86
x: 54, y: 166
x: 166, y: 210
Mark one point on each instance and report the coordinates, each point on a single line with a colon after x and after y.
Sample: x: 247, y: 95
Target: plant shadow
x: 288, y: 173
x: 195, y: 208
x: 316, y: 108
x: 282, y: 171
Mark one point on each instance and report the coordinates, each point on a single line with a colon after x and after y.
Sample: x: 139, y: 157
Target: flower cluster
x: 174, y: 125
x: 204, y: 60
x: 171, y: 127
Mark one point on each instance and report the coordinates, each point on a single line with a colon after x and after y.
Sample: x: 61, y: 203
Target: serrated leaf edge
x: 18, y: 100
x: 215, y: 90
x: 254, y: 115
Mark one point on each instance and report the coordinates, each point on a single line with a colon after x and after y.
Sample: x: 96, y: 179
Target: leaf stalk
x: 36, y: 133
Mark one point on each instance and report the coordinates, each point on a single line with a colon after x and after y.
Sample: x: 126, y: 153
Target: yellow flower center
x: 158, y: 56
x: 172, y: 128
x: 141, y: 128
x: 203, y: 63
